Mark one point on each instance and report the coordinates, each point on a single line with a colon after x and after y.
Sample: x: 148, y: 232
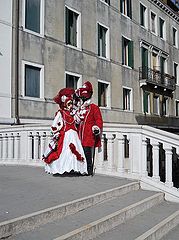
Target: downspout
x: 17, y: 120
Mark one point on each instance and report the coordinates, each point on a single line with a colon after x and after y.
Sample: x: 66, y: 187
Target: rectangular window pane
x: 71, y: 81
x: 126, y: 99
x: 153, y: 17
x: 164, y: 106
x: 32, y: 15
x: 146, y: 102
x: 102, y: 94
x: 177, y: 108
x: 161, y: 27
x: 142, y: 10
x: 102, y: 41
x: 174, y: 36
x: 32, y: 81
x: 126, y: 7
x: 156, y: 104
x: 71, y: 27
x: 175, y: 72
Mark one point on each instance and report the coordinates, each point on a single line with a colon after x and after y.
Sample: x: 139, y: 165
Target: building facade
x: 130, y: 53
x: 5, y: 61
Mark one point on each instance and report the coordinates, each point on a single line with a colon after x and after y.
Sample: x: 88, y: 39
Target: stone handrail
x: 25, y: 145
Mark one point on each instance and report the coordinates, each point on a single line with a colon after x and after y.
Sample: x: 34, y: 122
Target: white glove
x: 96, y: 130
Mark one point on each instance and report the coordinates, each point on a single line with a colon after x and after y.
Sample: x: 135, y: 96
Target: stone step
x: 172, y: 235
x: 29, y: 221
x: 91, y: 222
x: 151, y: 224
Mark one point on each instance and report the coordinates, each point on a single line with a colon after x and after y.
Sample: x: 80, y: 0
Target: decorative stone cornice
x: 167, y: 9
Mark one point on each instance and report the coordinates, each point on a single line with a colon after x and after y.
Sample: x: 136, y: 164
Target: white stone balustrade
x: 25, y: 145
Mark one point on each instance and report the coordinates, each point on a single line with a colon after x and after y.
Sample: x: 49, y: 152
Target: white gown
x: 67, y: 160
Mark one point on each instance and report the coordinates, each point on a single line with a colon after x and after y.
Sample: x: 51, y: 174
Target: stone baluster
x: 49, y: 137
x: 36, y: 146
x: 120, y: 152
x: 43, y: 140
x: 10, y: 148
x: 155, y: 162
x: 0, y: 146
x: 5, y: 147
x: 110, y: 149
x: 168, y: 159
x: 100, y: 155
x: 144, y: 157
x: 29, y: 155
x: 17, y: 146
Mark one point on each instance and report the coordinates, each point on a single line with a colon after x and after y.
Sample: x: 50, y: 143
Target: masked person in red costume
x: 64, y: 152
x: 90, y: 124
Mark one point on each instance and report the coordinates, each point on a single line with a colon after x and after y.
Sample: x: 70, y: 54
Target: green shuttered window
x: 127, y: 52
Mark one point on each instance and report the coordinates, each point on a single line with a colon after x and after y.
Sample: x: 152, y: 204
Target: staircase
x: 113, y: 208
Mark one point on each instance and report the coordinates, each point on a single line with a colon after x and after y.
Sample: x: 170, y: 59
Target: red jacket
x: 91, y: 117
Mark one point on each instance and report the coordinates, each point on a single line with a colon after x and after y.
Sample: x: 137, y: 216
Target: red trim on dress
x: 76, y: 153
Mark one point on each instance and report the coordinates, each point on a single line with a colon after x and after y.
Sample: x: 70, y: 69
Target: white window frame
x: 176, y: 101
x: 107, y: 41
x: 148, y: 102
x: 79, y: 83
x: 165, y: 62
x: 42, y: 10
x: 131, y: 99
x: 164, y: 28
x: 145, y: 16
x: 127, y: 52
x: 177, y: 80
x: 126, y: 7
x: 154, y: 22
x: 158, y: 105
x: 108, y: 94
x: 41, y: 80
x: 78, y: 28
x: 167, y: 106
x: 176, y: 36
x: 157, y: 58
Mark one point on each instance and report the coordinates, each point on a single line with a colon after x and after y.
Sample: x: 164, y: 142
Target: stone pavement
x: 25, y: 189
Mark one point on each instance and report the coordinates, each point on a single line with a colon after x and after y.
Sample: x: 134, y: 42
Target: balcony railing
x: 157, y: 78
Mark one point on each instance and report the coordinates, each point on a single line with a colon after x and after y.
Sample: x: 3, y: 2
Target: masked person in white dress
x: 65, y: 152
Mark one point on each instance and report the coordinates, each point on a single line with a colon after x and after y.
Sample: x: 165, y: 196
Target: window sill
x: 105, y: 108
x: 33, y: 33
x: 154, y: 33
x: 129, y: 111
x: 32, y: 99
x: 163, y: 39
x: 144, y: 27
x: 126, y: 16
x: 127, y: 67
x: 73, y: 47
x: 105, y: 3
x: 103, y: 58
x: 175, y: 46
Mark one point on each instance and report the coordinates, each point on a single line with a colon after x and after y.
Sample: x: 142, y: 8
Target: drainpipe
x: 17, y: 120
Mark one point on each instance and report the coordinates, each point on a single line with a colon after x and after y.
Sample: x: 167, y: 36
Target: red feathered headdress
x: 85, y: 91
x: 63, y: 96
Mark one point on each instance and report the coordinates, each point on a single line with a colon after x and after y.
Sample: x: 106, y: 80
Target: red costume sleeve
x: 98, y: 117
